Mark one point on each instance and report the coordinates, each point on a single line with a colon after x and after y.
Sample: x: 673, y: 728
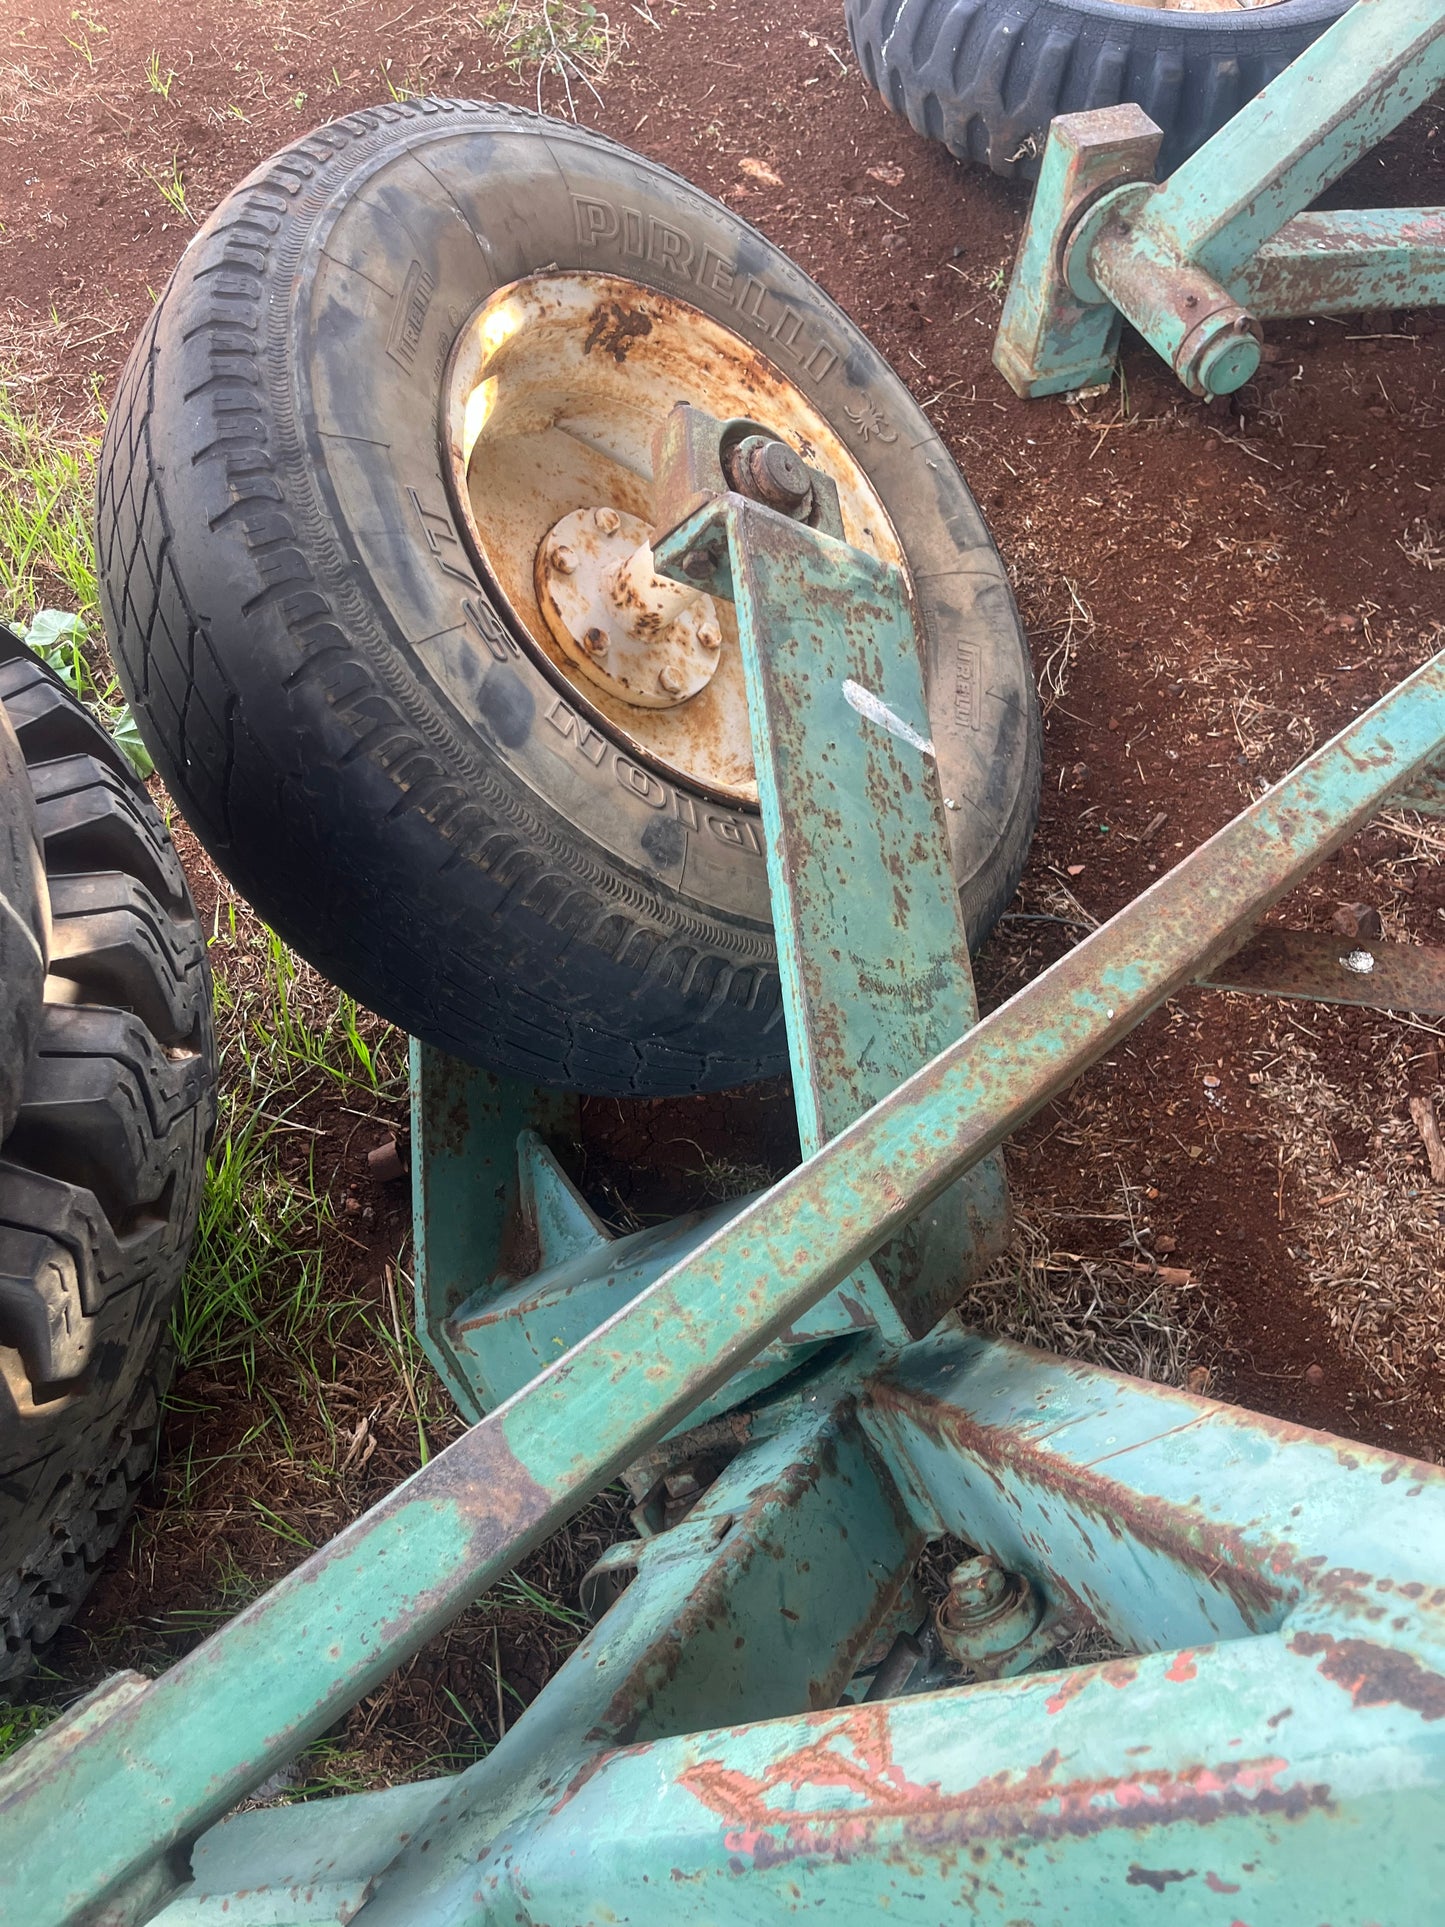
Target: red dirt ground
x: 1210, y: 589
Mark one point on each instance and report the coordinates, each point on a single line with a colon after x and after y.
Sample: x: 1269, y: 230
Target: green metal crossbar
x: 1196, y: 263
x: 732, y: 1740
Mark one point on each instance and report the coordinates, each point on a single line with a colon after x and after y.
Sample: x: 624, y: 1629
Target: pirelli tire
x: 362, y: 734
x: 985, y: 77
x: 102, y: 1167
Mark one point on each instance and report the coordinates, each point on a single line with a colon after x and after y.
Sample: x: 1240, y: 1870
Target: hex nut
x: 595, y: 642
x: 710, y: 637
x: 564, y: 560
x: 607, y: 520
x: 669, y: 680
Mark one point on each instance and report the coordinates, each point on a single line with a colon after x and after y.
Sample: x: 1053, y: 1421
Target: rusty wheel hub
x: 555, y: 389
x: 627, y: 629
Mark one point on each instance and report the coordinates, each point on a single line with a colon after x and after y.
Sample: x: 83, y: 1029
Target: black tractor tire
x: 24, y: 936
x: 442, y: 840
x: 986, y: 77
x: 101, y: 1171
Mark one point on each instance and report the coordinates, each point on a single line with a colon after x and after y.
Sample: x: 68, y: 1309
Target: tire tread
x: 101, y: 1175
x: 987, y: 76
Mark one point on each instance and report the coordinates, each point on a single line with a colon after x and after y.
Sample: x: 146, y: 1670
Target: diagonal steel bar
x: 1345, y: 92
x: 181, y: 1751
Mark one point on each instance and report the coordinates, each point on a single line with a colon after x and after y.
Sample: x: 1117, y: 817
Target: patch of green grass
x: 158, y: 82
x: 172, y: 190
x: 258, y: 1222
x: 19, y: 1723
x: 46, y: 548
x: 255, y: 1282
x: 569, y: 39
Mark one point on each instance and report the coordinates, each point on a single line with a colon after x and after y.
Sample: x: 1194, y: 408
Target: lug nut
x: 669, y: 681
x: 595, y: 642
x: 564, y: 560
x: 608, y: 520
x: 709, y: 637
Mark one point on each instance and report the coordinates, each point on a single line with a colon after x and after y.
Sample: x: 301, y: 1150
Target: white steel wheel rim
x: 555, y: 388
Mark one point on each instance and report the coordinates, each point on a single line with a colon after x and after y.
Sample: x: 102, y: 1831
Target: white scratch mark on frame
x: 873, y: 709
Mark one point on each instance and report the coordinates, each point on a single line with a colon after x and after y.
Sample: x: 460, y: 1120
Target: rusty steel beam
x: 1231, y: 1784
x: 1353, y: 263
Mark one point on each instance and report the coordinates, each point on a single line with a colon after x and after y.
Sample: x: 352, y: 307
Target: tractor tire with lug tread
x: 372, y: 748
x: 986, y: 77
x: 24, y: 938
x: 101, y: 1171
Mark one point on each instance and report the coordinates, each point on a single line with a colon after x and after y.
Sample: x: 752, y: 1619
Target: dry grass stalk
x: 1370, y: 1237
x: 1122, y: 1313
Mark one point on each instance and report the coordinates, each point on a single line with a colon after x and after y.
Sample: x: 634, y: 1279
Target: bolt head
x: 595, y: 642
x: 669, y: 681
x: 977, y: 1586
x: 710, y: 637
x: 784, y: 471
x: 564, y: 560
x: 607, y: 520
x: 698, y: 564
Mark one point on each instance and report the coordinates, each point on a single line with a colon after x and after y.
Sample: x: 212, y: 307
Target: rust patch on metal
x: 853, y: 1754
x: 615, y: 329
x: 1156, y: 1877
x: 445, y: 1116
x: 1375, y: 1675
x: 503, y: 1508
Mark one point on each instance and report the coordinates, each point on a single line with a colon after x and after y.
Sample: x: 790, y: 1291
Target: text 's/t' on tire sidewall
x: 985, y: 77
x: 396, y: 779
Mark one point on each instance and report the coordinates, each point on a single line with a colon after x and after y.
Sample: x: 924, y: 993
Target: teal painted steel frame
x: 1195, y: 262
x: 710, y: 1751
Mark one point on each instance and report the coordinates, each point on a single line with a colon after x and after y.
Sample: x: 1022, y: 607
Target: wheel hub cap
x: 628, y: 630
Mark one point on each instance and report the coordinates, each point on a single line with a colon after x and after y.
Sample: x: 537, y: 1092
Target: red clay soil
x: 1211, y: 589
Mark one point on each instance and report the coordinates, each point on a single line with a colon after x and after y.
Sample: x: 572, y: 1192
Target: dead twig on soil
x: 1422, y: 1109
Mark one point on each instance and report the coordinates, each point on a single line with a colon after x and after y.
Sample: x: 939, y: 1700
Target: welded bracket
x: 1196, y: 262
